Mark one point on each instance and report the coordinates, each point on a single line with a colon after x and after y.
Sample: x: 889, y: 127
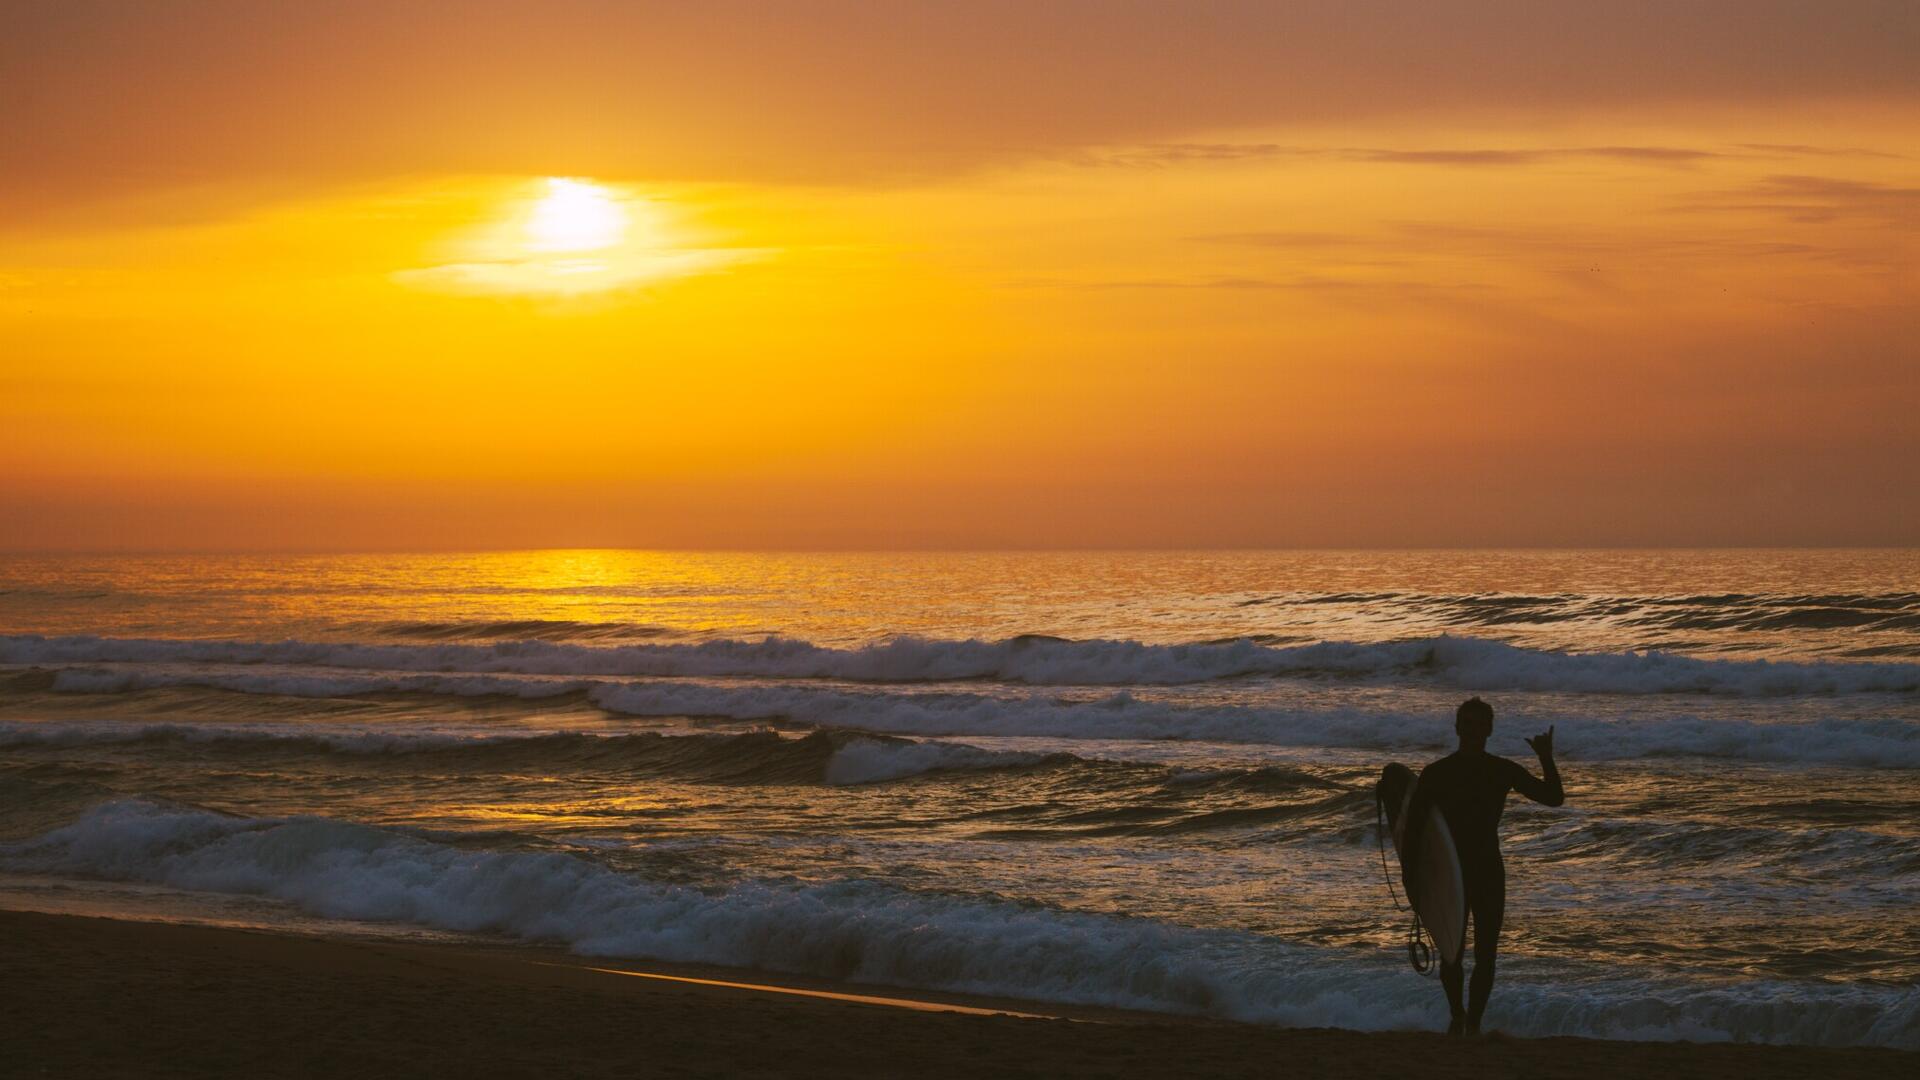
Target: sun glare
x: 567, y: 236
x: 575, y: 216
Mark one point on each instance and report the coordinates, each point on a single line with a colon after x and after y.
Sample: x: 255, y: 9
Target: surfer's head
x: 1473, y: 722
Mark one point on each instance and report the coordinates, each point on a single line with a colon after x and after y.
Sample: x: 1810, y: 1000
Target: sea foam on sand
x: 867, y: 932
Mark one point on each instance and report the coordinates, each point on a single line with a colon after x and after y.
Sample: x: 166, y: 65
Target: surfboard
x: 1432, y: 875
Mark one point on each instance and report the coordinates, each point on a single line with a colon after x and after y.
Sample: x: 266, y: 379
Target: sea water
x: 1133, y: 779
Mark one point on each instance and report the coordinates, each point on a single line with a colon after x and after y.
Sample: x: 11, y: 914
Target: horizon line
x: 932, y: 550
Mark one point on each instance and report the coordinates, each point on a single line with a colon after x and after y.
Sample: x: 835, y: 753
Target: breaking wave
x: 765, y: 757
x: 1737, y: 611
x: 510, y: 629
x: 869, y: 932
x: 1462, y: 662
x: 1870, y: 741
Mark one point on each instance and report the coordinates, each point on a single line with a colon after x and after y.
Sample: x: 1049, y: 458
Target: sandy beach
x: 96, y: 997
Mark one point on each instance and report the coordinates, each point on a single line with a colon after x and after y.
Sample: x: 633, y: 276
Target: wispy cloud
x: 1306, y: 283
x: 1282, y: 238
x: 1161, y: 155
x: 1648, y: 155
x: 1814, y: 200
x: 1803, y: 150
x: 1485, y: 240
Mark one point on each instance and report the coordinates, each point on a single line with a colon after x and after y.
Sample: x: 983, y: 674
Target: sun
x: 563, y: 236
x: 575, y: 216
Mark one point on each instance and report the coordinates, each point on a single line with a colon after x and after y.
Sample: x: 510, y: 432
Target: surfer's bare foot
x: 1456, y: 1028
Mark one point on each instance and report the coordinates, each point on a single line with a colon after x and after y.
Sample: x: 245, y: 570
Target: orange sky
x: 846, y: 275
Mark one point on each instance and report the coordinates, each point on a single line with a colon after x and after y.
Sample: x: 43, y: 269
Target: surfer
x: 1470, y: 787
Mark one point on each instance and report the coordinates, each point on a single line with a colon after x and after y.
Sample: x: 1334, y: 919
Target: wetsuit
x: 1470, y: 787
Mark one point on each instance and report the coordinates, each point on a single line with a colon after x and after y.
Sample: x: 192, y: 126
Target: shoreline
x: 106, y: 997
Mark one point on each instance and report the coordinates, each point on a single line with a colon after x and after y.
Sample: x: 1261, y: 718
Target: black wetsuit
x: 1470, y: 787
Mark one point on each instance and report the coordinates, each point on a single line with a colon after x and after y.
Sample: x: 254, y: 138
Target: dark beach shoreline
x: 100, y: 997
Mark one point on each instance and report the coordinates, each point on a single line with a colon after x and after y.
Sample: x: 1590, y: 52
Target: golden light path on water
x: 608, y: 595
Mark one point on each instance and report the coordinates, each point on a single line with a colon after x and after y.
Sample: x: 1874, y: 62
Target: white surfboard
x: 1433, y: 882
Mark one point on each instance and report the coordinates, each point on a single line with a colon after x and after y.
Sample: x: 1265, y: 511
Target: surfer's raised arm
x: 1546, y: 791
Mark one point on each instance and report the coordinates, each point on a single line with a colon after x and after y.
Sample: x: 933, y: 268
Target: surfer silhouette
x: 1470, y: 787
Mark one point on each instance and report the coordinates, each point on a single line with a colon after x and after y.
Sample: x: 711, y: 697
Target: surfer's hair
x: 1474, y: 715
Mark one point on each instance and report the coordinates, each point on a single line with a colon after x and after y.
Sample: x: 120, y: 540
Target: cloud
x: 1817, y: 200
x: 1653, y: 155
x: 1162, y: 155
x: 594, y: 272
x: 1450, y: 157
x: 1433, y: 237
x: 132, y: 96
x: 1372, y: 289
x: 1283, y: 239
x: 1510, y: 264
x: 1802, y: 150
x: 1171, y: 154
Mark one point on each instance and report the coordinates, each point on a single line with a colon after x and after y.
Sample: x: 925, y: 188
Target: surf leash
x: 1419, y: 953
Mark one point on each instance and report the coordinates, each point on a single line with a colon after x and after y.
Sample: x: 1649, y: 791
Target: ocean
x: 1128, y: 779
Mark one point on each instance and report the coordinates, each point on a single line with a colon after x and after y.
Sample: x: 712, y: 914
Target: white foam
x: 1462, y: 662
x: 1872, y: 741
x: 872, y: 933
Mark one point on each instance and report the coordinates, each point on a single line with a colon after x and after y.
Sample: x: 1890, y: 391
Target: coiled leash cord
x: 1419, y: 953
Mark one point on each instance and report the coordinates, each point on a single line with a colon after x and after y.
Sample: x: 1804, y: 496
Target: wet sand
x: 98, y: 997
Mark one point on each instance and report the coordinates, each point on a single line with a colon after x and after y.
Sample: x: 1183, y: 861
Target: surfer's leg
x: 1489, y: 911
x: 1451, y: 978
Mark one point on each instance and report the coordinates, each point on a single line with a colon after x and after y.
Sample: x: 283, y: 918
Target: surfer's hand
x: 1543, y: 743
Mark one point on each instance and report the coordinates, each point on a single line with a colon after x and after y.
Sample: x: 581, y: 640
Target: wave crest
x: 881, y: 934
x: 757, y: 757
x: 1462, y: 662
